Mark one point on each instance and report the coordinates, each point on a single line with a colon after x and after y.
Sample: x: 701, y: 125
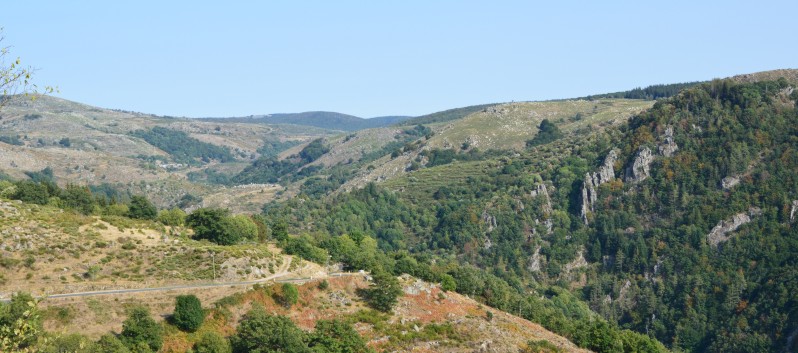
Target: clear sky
x: 373, y: 58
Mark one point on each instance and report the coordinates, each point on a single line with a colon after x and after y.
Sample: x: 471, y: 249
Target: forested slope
x: 679, y: 225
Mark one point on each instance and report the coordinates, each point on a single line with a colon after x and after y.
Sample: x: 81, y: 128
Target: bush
x: 289, y: 295
x: 541, y: 346
x: 241, y: 227
x: 141, y: 208
x: 174, y: 217
x: 260, y: 332
x: 208, y: 224
x: 336, y: 336
x: 448, y: 283
x: 31, y: 192
x: 384, y: 292
x: 78, y: 198
x: 212, y: 342
x: 547, y: 132
x: 108, y: 343
x: 140, y: 329
x: 188, y: 315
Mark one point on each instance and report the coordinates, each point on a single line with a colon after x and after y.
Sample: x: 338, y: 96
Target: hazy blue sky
x: 371, y: 58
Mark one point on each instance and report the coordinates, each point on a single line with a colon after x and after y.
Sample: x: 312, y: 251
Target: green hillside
x: 687, y: 235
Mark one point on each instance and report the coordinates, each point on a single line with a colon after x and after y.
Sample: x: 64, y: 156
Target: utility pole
x: 213, y: 265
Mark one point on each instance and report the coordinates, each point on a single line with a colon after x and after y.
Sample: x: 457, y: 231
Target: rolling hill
x: 638, y: 225
x: 161, y: 157
x: 323, y: 120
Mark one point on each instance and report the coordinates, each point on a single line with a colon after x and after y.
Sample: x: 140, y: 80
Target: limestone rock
x: 542, y: 191
x: 604, y: 174
x: 639, y: 170
x: 793, y: 210
x: 489, y: 220
x: 719, y: 234
x: 535, y: 261
x: 668, y: 147
x: 729, y: 182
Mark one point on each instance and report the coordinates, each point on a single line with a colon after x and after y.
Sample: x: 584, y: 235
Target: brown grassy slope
x: 102, y: 150
x: 507, y: 127
x: 406, y: 329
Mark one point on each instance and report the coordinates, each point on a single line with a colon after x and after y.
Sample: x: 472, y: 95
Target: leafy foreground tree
x: 20, y: 324
x: 140, y: 330
x: 212, y: 342
x: 260, y: 332
x: 188, y: 315
x: 15, y: 78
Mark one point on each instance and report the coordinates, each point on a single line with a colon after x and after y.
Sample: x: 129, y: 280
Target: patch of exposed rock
x: 415, y: 286
x: 640, y: 168
x: 729, y: 182
x: 668, y: 147
x: 490, y: 221
x: 535, y: 261
x: 604, y: 174
x: 720, y: 233
x: 542, y: 191
x: 793, y: 210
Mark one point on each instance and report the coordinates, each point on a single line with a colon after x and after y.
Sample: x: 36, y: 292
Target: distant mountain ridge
x: 321, y: 119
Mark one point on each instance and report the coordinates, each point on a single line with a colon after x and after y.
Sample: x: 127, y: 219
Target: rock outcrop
x: 490, y: 221
x: 604, y: 174
x: 542, y: 191
x: 535, y: 261
x: 639, y: 170
x: 667, y: 147
x: 729, y: 182
x: 719, y: 234
x: 793, y: 210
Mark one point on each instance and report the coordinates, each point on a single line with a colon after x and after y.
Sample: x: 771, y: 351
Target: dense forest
x: 182, y: 147
x: 649, y: 92
x: 646, y: 254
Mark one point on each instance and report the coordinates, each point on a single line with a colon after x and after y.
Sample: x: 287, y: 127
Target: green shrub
x: 188, y: 315
x: 139, y: 329
x: 212, y: 342
x: 289, y: 295
x: 141, y: 208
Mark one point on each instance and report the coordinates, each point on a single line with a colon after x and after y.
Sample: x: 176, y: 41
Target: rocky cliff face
x: 720, y: 233
x: 542, y: 191
x: 667, y: 147
x: 490, y: 221
x: 793, y: 210
x: 604, y: 174
x: 639, y: 170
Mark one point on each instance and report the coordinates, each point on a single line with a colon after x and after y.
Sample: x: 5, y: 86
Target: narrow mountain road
x: 281, y: 272
x: 276, y: 277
